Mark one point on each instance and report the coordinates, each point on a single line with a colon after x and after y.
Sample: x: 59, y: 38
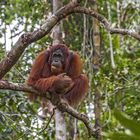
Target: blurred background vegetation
x: 119, y: 87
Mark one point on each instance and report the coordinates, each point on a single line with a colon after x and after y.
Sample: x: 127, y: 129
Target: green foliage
x: 119, y: 87
x: 128, y: 124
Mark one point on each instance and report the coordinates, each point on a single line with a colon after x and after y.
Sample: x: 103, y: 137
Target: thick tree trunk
x: 96, y: 66
x: 60, y: 124
x: 57, y: 34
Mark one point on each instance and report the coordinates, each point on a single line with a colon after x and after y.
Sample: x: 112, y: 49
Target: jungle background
x: 111, y: 61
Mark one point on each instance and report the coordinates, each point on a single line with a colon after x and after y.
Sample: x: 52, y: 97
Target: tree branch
x: 106, y: 23
x: 60, y: 104
x: 27, y: 38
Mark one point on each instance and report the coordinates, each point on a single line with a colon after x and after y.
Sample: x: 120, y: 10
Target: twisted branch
x: 61, y: 104
x: 27, y: 38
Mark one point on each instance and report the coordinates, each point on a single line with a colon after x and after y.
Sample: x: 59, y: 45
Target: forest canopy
x: 106, y: 34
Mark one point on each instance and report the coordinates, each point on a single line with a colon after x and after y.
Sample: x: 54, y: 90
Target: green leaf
x: 120, y: 136
x: 132, y: 125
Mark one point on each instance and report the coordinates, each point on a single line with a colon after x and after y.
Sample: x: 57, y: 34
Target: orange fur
x: 42, y: 79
